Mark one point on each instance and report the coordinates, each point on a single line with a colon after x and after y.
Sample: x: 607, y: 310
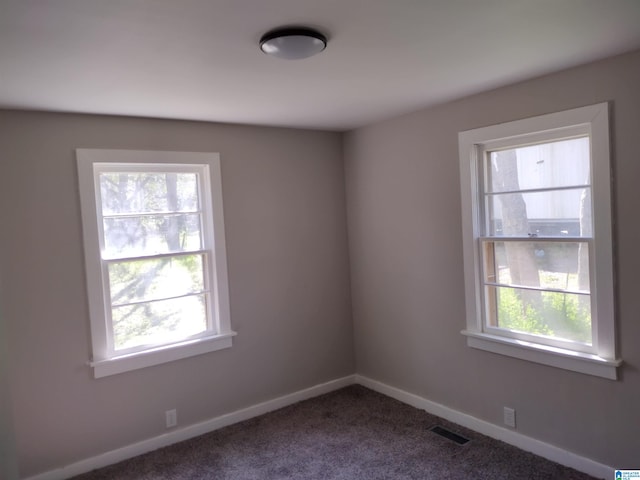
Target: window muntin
x: 156, y: 266
x: 562, y: 229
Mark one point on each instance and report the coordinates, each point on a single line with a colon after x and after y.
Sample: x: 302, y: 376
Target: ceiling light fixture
x: 293, y: 43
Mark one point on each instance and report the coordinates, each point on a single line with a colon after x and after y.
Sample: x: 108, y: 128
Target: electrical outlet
x: 510, y: 417
x: 171, y: 417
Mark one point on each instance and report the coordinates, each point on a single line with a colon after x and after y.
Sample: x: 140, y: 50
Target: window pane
x: 549, y: 265
x: 157, y: 323
x: 554, y: 213
x: 151, y: 234
x: 144, y: 280
x: 561, y: 316
x: 548, y: 165
x: 133, y: 192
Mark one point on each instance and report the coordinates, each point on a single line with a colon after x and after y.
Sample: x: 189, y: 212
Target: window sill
x: 164, y: 354
x: 555, y: 357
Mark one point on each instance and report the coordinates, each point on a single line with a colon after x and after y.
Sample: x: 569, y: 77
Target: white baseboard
x: 190, y: 431
x: 511, y: 437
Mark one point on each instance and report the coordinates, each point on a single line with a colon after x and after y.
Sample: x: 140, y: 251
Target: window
x: 536, y: 208
x: 155, y: 256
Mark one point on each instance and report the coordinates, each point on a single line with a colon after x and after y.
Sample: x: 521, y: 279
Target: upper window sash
x: 201, y: 173
x: 541, y: 186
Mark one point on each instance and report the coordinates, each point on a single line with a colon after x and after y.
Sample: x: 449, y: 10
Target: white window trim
x: 103, y: 362
x: 595, y: 119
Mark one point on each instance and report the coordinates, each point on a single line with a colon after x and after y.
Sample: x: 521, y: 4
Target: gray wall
x: 8, y: 464
x: 403, y: 200
x: 285, y: 218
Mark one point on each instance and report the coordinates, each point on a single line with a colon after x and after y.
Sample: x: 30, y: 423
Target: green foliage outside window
x: 559, y: 315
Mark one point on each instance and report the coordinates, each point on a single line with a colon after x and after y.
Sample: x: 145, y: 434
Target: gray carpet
x: 352, y: 433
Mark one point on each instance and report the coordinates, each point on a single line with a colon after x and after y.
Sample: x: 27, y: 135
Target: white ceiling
x: 199, y: 59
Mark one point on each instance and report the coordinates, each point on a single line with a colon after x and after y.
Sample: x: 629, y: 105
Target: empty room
x: 301, y: 239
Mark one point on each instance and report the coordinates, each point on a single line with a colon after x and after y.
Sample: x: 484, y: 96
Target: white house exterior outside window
x: 155, y: 256
x: 536, y: 207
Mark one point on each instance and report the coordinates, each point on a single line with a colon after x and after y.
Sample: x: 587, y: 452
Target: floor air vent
x: 454, y: 437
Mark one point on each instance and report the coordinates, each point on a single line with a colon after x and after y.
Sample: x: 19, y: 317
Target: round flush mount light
x: 293, y: 43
